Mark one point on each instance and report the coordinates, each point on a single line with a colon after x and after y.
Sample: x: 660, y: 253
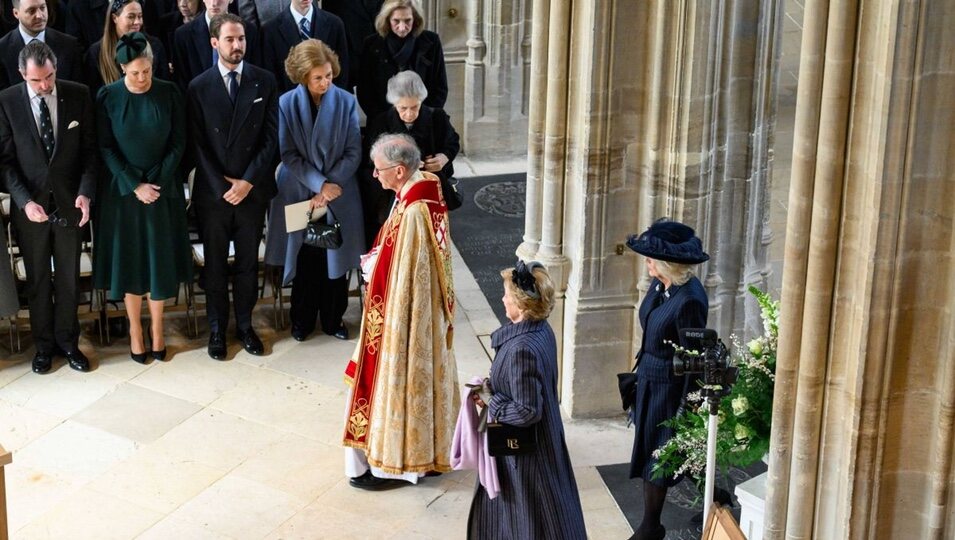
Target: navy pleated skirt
x: 656, y: 402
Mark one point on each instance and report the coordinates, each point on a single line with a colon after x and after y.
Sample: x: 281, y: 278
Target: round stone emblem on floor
x: 504, y: 199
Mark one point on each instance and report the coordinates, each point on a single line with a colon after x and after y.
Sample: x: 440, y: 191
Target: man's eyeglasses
x: 56, y: 220
x: 378, y: 171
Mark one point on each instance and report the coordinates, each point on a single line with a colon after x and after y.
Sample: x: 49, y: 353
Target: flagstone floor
x: 247, y: 448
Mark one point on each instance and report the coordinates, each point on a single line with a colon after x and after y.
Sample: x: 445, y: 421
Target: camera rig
x: 701, y: 351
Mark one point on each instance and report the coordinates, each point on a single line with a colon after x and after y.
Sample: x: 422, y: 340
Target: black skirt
x: 656, y: 402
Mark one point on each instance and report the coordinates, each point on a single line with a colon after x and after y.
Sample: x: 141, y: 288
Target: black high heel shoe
x: 138, y: 357
x: 157, y: 355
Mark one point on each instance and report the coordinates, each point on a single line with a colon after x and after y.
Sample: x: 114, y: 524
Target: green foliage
x: 744, y: 415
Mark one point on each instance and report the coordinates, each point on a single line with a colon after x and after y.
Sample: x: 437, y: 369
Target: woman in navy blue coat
x: 538, y: 496
x: 676, y: 299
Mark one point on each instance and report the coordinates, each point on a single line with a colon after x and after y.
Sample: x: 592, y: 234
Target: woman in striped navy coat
x: 538, y: 496
x: 676, y: 299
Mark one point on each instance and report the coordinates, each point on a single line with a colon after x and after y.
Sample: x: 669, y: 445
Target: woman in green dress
x: 142, y: 244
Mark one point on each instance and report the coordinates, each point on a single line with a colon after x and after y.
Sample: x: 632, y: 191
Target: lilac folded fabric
x: 469, y: 446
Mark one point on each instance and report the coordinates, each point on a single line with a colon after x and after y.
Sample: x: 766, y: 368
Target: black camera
x: 709, y: 356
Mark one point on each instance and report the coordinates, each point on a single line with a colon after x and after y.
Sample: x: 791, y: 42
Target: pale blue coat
x: 313, y: 152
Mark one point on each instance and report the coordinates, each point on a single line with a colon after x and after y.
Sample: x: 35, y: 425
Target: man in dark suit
x: 192, y: 53
x: 359, y: 19
x: 48, y: 144
x: 33, y: 16
x: 301, y: 21
x: 233, y: 116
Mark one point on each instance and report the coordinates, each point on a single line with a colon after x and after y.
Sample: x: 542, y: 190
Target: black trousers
x: 219, y: 224
x: 53, y: 297
x: 313, y: 292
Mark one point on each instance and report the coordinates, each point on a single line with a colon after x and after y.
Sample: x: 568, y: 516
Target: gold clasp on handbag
x: 512, y: 444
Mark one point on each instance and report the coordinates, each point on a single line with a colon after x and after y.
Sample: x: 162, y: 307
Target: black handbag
x: 452, y: 197
x: 507, y: 440
x: 321, y: 234
x: 627, y: 384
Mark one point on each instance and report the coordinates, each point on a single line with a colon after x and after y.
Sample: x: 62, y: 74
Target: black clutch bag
x: 507, y: 440
x: 323, y: 235
x: 452, y: 197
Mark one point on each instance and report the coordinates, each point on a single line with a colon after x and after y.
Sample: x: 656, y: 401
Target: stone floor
x: 247, y: 448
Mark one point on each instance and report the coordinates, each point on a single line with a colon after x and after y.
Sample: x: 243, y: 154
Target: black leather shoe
x: 373, y: 483
x: 341, y: 333
x: 77, y: 360
x: 42, y: 362
x: 299, y: 333
x: 217, y: 348
x: 159, y: 355
x: 251, y: 342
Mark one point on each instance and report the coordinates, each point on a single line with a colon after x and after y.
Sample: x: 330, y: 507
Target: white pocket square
x: 73, y: 124
x: 257, y: 100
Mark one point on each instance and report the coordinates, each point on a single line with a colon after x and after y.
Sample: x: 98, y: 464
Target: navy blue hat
x: 669, y: 241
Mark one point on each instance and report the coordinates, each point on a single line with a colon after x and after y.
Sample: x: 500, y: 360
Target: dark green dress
x: 141, y: 248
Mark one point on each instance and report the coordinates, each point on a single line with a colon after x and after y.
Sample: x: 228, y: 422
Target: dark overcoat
x: 663, y: 313
x: 539, y: 497
x: 378, y: 65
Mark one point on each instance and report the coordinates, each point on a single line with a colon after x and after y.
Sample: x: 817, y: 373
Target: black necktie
x: 46, y: 129
x: 305, y: 28
x: 233, y: 86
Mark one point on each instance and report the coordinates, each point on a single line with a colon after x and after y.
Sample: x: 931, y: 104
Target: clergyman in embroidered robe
x: 403, y: 403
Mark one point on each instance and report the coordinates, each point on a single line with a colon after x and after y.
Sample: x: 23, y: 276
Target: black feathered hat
x: 669, y: 241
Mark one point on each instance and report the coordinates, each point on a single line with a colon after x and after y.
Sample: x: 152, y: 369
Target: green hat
x: 130, y: 47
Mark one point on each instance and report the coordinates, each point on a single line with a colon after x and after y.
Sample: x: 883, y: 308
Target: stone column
x: 663, y: 109
x: 863, y: 414
x: 495, y: 121
x: 537, y: 117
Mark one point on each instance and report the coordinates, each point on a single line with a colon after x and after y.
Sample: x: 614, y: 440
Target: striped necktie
x: 305, y: 28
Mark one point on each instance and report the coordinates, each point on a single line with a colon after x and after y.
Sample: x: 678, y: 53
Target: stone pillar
x: 535, y: 134
x: 663, y: 109
x: 865, y: 393
x: 495, y: 121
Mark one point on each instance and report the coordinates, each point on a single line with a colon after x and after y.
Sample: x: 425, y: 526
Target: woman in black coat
x: 123, y: 17
x: 538, y: 497
x: 430, y: 128
x: 401, y: 43
x: 676, y: 300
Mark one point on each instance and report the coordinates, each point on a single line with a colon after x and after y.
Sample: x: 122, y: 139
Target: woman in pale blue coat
x: 320, y: 144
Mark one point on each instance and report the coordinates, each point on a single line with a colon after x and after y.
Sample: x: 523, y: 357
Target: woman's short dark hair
x: 307, y: 56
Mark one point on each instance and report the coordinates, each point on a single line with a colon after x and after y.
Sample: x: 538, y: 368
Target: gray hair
x: 406, y: 84
x: 677, y: 273
x: 399, y: 149
x: 37, y: 51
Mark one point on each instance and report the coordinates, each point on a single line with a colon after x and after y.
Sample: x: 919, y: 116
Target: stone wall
x: 650, y: 109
